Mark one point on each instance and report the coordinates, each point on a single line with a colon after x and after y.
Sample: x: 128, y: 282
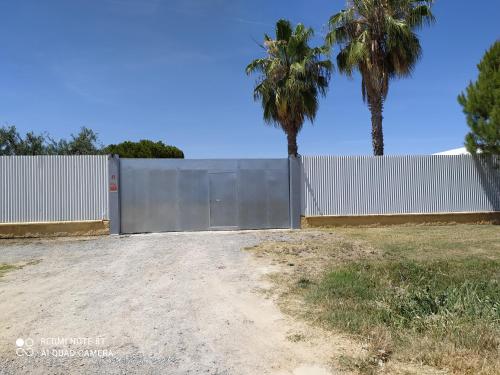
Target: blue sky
x: 173, y: 70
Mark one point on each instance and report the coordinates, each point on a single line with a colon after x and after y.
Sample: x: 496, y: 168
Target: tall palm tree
x: 292, y: 76
x: 377, y: 38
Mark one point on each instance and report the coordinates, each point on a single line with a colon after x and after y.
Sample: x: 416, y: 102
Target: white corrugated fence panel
x: 366, y: 185
x: 53, y: 188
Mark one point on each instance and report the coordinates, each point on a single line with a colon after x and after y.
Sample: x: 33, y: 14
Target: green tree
x: 9, y: 138
x: 144, y: 149
x: 377, y: 38
x: 292, y: 76
x: 12, y: 143
x: 481, y: 105
x: 86, y: 142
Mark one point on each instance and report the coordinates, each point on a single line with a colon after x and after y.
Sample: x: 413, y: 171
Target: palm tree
x: 292, y: 76
x: 377, y: 38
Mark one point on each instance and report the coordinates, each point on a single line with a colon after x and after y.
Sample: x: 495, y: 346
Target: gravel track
x: 175, y: 303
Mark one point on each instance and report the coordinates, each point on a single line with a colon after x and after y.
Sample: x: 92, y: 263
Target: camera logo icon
x: 24, y: 347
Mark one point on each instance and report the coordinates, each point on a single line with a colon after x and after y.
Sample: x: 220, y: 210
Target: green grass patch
x: 4, y: 268
x: 441, y: 306
x: 430, y: 242
x: 411, y: 295
x: 418, y: 295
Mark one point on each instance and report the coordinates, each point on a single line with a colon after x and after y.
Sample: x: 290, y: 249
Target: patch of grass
x: 296, y: 337
x: 453, y: 305
x: 303, y: 282
x: 429, y: 242
x: 4, y: 268
x: 411, y: 295
x: 417, y: 294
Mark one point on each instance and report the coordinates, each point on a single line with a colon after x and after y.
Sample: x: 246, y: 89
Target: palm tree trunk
x: 292, y: 142
x: 376, y: 108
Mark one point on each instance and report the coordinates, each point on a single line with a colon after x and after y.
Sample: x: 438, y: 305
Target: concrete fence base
x: 381, y: 220
x: 54, y: 229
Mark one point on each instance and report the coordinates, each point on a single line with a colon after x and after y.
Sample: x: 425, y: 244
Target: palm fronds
x: 377, y: 38
x: 291, y: 77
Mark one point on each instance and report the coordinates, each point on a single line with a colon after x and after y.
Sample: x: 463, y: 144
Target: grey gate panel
x: 278, y: 212
x: 262, y: 203
x: 254, y: 207
x: 223, y: 200
x: 146, y: 204
x: 193, y: 200
x: 159, y: 195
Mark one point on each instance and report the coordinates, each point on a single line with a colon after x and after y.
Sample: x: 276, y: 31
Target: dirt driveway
x: 185, y: 303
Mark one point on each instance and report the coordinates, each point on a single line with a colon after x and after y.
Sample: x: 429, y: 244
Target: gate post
x: 114, y: 193
x: 295, y: 191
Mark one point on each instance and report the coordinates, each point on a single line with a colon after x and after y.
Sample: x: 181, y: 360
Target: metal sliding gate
x: 160, y: 195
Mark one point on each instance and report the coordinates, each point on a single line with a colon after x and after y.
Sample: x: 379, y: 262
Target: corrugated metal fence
x: 73, y: 188
x: 53, y: 188
x: 364, y: 185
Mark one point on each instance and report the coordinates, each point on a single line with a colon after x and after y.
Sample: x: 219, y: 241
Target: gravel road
x: 176, y: 303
